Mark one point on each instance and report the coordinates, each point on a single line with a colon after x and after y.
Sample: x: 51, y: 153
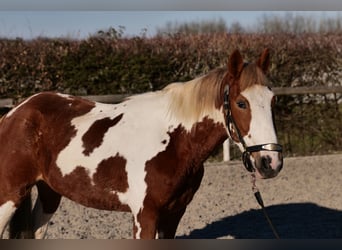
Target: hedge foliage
x: 100, y: 65
x: 104, y: 65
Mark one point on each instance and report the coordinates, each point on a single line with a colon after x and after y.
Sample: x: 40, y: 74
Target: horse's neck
x: 197, y: 135
x: 205, y: 136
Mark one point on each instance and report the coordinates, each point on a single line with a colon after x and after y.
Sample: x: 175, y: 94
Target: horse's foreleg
x: 168, y: 223
x: 45, y: 206
x: 169, y: 219
x: 145, y: 224
x: 151, y: 225
x: 7, y: 210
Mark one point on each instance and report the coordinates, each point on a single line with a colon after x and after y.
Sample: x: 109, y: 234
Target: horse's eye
x: 242, y: 104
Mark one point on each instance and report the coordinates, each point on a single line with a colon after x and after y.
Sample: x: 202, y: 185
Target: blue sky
x: 29, y: 24
x: 80, y: 24
x: 80, y: 18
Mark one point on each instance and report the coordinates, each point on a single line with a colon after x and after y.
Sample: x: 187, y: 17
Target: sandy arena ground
x: 304, y: 201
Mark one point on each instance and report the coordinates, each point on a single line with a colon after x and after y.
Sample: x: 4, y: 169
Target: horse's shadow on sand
x: 292, y: 221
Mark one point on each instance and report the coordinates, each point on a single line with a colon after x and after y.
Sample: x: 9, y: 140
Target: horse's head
x: 249, y: 117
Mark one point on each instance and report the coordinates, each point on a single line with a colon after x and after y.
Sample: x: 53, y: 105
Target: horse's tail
x: 21, y: 224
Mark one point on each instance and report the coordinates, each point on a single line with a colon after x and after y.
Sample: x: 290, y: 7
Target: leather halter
x: 230, y: 123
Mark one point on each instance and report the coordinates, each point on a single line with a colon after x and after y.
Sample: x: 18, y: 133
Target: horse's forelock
x: 252, y: 75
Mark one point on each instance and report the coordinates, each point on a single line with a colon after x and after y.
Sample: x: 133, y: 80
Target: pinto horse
x: 144, y: 155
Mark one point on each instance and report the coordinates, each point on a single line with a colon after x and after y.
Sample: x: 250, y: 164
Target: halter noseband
x: 230, y: 122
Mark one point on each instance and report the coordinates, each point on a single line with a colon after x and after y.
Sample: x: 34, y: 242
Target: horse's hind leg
x: 45, y: 206
x: 7, y: 210
x: 20, y: 226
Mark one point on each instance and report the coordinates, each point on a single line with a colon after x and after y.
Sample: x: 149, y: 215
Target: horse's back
x: 51, y: 104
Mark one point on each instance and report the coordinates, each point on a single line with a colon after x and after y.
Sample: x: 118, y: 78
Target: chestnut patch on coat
x: 111, y: 174
x: 242, y: 117
x: 78, y: 187
x: 174, y: 175
x: 94, y: 136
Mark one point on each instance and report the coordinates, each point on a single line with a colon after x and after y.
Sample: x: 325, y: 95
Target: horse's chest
x: 176, y: 192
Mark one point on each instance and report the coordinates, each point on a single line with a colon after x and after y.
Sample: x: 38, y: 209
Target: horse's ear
x: 264, y: 60
x: 235, y: 64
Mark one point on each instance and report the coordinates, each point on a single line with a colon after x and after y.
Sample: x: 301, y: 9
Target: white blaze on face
x: 261, y: 129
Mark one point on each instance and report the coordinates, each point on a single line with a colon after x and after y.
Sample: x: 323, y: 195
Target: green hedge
x: 106, y: 66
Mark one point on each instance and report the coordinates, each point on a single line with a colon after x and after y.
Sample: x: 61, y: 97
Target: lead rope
x: 258, y: 197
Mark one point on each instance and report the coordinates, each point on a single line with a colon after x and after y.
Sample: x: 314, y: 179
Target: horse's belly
x: 99, y: 192
x: 98, y: 199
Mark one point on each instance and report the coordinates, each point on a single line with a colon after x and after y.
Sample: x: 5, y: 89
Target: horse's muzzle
x: 266, y: 160
x: 268, y: 163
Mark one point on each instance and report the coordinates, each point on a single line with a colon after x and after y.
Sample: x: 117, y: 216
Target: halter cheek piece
x: 231, y: 125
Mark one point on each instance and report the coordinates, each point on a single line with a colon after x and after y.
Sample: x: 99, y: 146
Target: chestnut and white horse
x: 144, y: 155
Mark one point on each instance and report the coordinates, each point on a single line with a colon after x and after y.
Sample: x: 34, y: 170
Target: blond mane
x: 191, y: 101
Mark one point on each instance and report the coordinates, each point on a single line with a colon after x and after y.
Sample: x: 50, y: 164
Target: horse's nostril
x: 266, y: 162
